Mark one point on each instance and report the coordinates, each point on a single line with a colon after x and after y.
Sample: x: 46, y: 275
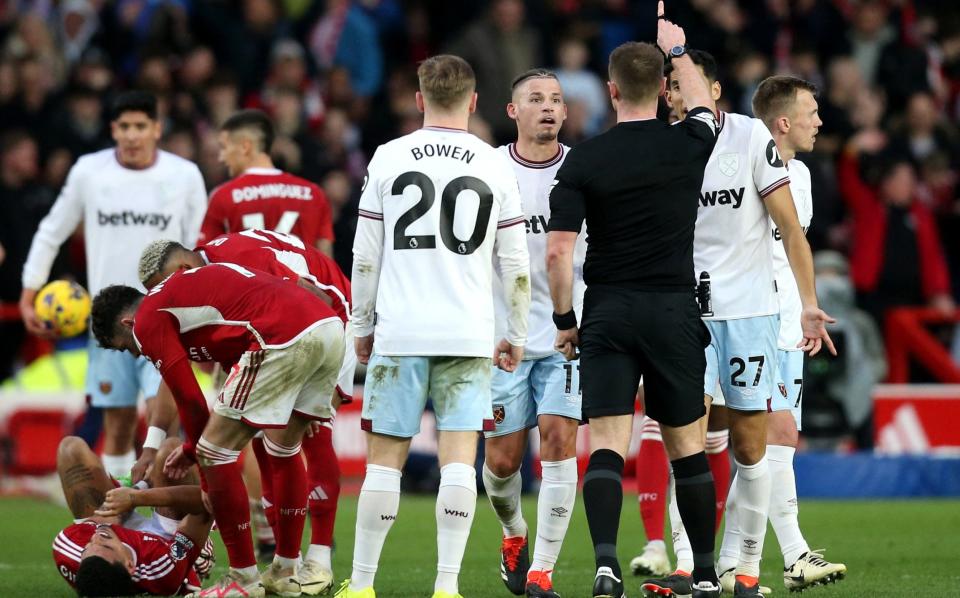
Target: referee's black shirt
x: 638, y: 187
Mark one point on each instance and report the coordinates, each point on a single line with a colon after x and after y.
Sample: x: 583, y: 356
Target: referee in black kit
x: 638, y: 185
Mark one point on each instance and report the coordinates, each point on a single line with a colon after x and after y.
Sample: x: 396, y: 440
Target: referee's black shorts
x: 659, y: 335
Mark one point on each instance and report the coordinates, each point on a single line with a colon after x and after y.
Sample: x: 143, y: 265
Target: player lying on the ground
x: 283, y: 347
x: 287, y: 257
x: 110, y: 550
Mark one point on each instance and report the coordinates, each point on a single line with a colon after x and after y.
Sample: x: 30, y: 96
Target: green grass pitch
x: 891, y: 548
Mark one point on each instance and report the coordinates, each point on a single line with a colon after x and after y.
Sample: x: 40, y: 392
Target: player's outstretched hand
x: 567, y: 343
x: 814, y: 322
x: 142, y: 468
x: 117, y: 502
x: 29, y: 315
x: 506, y: 356
x: 669, y: 34
x: 364, y: 348
x: 178, y: 463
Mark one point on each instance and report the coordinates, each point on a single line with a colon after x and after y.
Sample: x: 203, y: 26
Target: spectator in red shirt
x: 896, y: 257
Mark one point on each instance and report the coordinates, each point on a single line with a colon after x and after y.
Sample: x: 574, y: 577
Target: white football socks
x: 681, y: 542
x: 456, y: 504
x: 783, y: 503
x: 730, y: 545
x: 376, y: 511
x: 753, y: 496
x: 504, y: 497
x: 558, y: 491
x: 118, y: 466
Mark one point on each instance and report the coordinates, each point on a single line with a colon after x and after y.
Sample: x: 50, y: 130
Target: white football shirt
x: 535, y: 180
x: 732, y: 240
x: 787, y: 292
x: 436, y: 205
x: 123, y: 210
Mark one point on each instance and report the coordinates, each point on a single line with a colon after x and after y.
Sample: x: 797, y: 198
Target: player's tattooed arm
x: 81, y: 490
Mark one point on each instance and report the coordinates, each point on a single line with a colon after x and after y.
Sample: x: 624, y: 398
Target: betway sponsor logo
x: 723, y: 197
x: 131, y: 218
x: 271, y: 190
x: 537, y: 224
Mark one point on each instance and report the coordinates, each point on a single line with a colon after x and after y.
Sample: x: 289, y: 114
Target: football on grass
x: 63, y: 308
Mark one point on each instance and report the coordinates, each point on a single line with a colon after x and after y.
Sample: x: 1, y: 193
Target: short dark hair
x: 775, y: 95
x: 701, y: 58
x: 107, y: 308
x: 532, y: 74
x: 97, y: 576
x: 134, y: 101
x: 253, y: 121
x: 446, y: 80
x: 637, y: 69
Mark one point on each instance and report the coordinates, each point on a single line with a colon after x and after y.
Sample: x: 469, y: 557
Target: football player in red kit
x: 283, y: 348
x: 110, y: 550
x: 261, y: 196
x: 287, y: 257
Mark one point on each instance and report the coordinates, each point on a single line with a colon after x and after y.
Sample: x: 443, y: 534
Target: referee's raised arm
x: 638, y: 187
x: 694, y: 87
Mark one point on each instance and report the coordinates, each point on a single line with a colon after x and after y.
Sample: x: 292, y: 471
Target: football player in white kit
x: 788, y: 107
x: 436, y: 206
x: 745, y: 185
x: 126, y: 196
x: 544, y: 391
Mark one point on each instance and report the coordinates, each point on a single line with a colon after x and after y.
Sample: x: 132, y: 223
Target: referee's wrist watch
x: 677, y: 51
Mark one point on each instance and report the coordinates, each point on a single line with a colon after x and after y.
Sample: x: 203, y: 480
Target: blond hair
x: 446, y: 80
x: 154, y: 257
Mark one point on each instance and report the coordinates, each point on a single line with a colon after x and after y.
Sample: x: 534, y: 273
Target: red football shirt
x: 283, y: 256
x: 271, y: 199
x: 163, y: 567
x: 216, y: 313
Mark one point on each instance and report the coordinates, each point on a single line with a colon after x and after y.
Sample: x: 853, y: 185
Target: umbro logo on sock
x: 559, y: 511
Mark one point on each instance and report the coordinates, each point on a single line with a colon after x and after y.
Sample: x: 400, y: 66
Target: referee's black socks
x: 602, y: 500
x: 696, y: 500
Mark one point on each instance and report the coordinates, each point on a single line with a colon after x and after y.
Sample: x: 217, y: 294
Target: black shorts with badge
x: 626, y: 334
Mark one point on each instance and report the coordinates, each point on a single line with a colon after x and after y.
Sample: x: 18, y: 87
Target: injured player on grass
x: 110, y: 549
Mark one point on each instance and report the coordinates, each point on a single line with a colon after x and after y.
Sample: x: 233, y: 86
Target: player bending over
x: 284, y: 256
x: 110, y: 550
x: 544, y: 391
x: 437, y: 204
x: 283, y: 348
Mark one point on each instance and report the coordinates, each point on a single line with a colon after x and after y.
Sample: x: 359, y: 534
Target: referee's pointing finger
x: 660, y: 9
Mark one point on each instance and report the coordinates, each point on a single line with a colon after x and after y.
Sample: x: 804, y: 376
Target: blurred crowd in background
x: 338, y: 78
